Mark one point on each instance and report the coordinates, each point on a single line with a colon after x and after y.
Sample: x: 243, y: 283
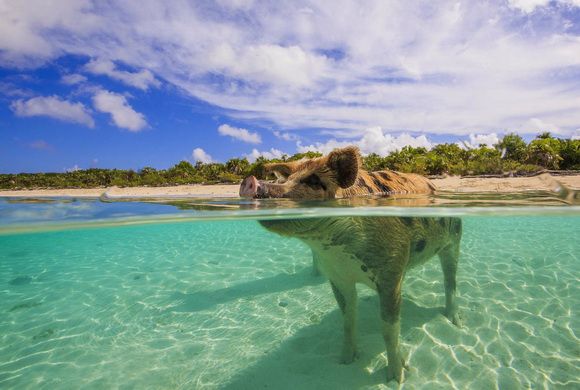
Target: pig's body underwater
x: 375, y: 251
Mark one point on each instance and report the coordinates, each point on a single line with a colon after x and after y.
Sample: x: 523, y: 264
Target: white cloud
x: 11, y: 90
x: 24, y: 37
x: 199, y: 154
x: 536, y: 125
x: 241, y: 134
x: 475, y: 140
x: 286, y: 136
x: 442, y: 67
x: 122, y: 113
x: 74, y: 168
x: 142, y: 80
x: 269, y: 154
x: 529, y: 6
x: 54, y: 107
x: 285, y: 66
x: 374, y: 140
x: 72, y: 79
x: 236, y: 4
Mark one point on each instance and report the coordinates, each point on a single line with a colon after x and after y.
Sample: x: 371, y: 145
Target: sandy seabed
x: 542, y: 182
x: 229, y: 305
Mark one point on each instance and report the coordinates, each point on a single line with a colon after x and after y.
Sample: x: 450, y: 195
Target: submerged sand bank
x: 453, y: 183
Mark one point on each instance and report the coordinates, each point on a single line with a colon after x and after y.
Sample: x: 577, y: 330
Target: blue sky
x: 132, y: 84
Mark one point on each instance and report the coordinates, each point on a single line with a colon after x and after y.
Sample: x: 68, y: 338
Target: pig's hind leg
x: 449, y: 257
x: 389, y: 285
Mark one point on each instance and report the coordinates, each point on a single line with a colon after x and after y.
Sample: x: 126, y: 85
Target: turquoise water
x: 183, y: 298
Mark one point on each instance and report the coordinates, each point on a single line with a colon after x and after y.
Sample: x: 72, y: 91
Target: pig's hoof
x: 348, y: 356
x: 455, y: 319
x: 395, y: 370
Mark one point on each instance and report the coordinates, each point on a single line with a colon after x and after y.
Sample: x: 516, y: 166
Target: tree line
x: 511, y: 155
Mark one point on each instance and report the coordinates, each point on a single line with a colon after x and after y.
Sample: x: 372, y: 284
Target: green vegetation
x: 510, y: 155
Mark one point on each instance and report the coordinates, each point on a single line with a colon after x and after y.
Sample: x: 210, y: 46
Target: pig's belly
x: 343, y: 268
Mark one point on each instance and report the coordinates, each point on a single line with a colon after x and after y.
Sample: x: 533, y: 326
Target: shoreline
x: 543, y: 182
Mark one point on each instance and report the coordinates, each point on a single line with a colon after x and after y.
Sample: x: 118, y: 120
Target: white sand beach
x: 542, y: 182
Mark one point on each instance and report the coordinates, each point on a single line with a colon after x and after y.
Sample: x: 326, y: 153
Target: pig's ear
x: 281, y: 170
x: 346, y: 163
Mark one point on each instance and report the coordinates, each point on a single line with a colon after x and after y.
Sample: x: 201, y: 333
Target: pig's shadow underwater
x: 203, y: 300
x: 310, y: 358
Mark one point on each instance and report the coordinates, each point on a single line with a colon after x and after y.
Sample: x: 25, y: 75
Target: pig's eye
x: 313, y: 181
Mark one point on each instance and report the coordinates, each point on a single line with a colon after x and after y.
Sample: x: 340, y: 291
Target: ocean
x: 196, y: 294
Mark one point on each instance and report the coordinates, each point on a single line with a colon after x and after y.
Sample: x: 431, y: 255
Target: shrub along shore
x: 511, y: 156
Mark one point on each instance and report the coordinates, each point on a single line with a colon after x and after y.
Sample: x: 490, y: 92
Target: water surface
x: 196, y: 294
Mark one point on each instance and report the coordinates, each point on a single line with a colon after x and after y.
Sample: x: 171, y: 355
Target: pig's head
x: 307, y: 179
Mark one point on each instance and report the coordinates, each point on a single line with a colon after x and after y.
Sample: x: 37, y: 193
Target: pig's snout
x: 250, y: 187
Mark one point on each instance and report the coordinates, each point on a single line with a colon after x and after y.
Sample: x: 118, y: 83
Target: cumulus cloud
x: 475, y: 140
x: 241, y: 134
x: 269, y: 154
x: 375, y: 140
x: 142, y: 79
x: 121, y: 112
x: 54, y: 107
x: 444, y: 67
x: 199, y: 154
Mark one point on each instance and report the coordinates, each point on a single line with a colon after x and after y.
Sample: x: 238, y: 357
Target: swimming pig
x: 376, y: 251
x: 338, y: 175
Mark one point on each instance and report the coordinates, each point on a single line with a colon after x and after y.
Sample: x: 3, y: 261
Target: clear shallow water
x: 191, y: 301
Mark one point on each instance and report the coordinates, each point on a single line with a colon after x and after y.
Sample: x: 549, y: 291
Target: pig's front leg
x: 345, y: 294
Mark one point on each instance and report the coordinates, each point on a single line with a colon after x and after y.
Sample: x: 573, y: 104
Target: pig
x: 338, y: 175
x: 375, y: 251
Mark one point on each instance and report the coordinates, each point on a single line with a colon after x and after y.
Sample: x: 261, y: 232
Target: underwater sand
x: 228, y: 305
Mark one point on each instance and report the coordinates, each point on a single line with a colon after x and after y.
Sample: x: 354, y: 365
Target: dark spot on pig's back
x: 384, y: 175
x: 363, y: 184
x: 380, y: 184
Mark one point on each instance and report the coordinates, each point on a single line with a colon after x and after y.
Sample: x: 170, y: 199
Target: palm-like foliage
x: 511, y: 154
